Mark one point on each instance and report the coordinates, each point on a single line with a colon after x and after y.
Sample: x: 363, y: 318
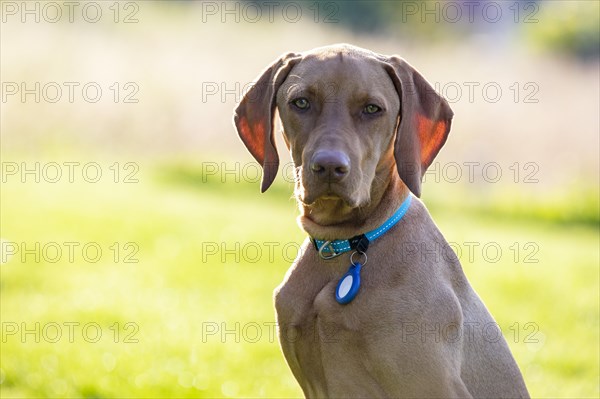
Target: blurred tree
x: 568, y: 27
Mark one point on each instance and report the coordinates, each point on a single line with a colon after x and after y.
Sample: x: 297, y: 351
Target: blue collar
x: 360, y: 243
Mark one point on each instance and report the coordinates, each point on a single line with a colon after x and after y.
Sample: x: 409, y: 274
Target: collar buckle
x: 327, y: 251
x: 359, y: 243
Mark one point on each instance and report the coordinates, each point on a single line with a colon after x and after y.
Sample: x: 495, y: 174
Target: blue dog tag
x: 348, y: 286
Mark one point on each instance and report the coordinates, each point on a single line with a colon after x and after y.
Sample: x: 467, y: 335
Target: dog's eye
x: 301, y: 103
x: 371, y: 109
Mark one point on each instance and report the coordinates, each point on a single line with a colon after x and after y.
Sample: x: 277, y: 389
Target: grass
x: 198, y: 300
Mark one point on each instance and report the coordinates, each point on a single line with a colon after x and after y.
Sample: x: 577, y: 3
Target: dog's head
x: 349, y: 115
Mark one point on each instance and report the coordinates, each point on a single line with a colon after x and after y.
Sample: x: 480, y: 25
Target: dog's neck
x: 333, y: 219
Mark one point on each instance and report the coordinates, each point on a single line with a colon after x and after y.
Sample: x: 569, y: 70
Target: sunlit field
x: 138, y: 256
x: 187, y: 312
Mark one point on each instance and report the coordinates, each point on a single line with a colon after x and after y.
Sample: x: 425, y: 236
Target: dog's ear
x: 425, y: 119
x: 254, y: 116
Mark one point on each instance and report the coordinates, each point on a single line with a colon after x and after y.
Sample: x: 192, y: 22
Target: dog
x: 369, y: 309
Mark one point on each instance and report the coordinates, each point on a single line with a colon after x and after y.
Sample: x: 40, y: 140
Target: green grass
x: 180, y: 288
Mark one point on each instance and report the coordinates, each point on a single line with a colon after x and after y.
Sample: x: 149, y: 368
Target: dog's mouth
x: 330, y: 197
x: 326, y: 198
x: 315, y: 194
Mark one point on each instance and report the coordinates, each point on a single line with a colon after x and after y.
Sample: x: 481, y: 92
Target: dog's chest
x: 309, y: 318
x: 320, y: 337
x: 310, y: 321
x: 305, y: 301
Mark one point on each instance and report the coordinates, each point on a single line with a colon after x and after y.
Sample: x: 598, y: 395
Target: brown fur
x: 416, y: 328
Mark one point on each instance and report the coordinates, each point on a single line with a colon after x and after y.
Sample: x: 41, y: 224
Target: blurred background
x: 138, y: 256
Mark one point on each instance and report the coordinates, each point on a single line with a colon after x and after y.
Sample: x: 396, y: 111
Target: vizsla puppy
x: 376, y: 305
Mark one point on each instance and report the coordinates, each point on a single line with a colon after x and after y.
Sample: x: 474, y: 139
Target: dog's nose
x: 330, y: 165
